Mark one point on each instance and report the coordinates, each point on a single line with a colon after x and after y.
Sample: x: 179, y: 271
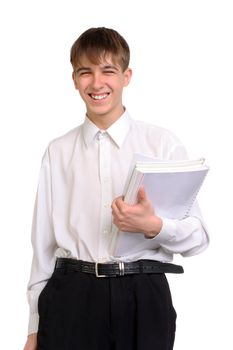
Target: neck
x: 103, y: 122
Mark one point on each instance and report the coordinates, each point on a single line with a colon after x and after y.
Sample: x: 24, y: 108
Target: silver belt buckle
x: 121, y: 269
x: 97, y: 272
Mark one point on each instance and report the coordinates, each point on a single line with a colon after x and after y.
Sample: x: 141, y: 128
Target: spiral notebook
x: 172, y: 186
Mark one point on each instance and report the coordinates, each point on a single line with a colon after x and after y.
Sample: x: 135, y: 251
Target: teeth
x: 98, y: 97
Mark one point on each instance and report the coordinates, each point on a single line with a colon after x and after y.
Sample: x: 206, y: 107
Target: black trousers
x: 79, y: 311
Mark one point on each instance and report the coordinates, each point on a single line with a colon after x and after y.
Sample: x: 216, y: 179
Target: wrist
x: 155, y: 227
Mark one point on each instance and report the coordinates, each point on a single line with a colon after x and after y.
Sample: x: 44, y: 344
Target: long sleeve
x: 188, y: 236
x: 43, y: 243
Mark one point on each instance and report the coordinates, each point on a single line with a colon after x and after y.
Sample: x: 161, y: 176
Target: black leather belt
x: 117, y: 268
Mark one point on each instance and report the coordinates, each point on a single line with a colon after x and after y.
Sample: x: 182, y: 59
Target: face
x: 101, y: 86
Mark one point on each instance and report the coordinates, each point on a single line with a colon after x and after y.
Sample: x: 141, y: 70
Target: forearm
x: 152, y: 227
x: 186, y: 237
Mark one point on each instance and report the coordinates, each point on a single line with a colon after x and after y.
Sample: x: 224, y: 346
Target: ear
x: 74, y: 80
x: 127, y: 76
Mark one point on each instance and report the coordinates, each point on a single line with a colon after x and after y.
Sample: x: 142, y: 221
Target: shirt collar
x: 117, y: 131
x: 89, y: 131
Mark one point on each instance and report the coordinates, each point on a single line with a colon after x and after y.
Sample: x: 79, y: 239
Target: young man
x: 79, y: 201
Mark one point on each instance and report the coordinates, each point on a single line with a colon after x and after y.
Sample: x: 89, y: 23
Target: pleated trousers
x: 79, y: 311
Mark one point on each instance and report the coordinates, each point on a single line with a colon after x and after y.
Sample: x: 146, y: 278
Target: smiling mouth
x: 98, y: 97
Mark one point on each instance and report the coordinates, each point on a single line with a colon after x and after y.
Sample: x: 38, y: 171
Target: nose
x: 97, y: 81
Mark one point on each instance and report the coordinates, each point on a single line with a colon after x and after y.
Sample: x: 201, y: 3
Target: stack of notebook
x: 172, y: 186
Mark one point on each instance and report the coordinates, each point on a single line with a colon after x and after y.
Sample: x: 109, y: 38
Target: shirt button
x: 100, y: 135
x: 105, y: 232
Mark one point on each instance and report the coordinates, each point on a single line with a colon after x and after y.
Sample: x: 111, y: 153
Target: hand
x: 31, y: 343
x: 136, y: 218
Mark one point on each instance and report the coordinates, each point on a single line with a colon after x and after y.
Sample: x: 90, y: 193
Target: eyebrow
x: 110, y: 67
x: 82, y: 69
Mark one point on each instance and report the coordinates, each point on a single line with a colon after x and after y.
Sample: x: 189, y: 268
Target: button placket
x: 106, y: 194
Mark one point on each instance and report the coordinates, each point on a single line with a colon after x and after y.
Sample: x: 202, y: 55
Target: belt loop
x: 121, y: 268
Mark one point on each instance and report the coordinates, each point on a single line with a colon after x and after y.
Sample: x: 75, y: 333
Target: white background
x: 182, y: 60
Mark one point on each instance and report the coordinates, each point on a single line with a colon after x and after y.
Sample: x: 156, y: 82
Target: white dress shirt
x: 81, y: 173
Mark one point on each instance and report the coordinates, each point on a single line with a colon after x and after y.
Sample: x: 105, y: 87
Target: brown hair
x: 97, y: 43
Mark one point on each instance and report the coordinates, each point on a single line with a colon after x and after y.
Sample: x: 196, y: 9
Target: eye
x: 84, y: 73
x: 109, y: 72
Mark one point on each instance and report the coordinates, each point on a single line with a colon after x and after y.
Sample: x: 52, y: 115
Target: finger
x: 119, y: 203
x: 115, y: 210
x: 141, y: 195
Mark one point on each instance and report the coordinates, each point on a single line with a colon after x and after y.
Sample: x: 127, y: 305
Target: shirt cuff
x: 33, y: 323
x: 167, y: 232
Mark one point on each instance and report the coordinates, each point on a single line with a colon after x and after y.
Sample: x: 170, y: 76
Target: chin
x: 100, y: 111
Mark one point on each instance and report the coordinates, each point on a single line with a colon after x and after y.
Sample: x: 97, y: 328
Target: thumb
x: 141, y: 195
